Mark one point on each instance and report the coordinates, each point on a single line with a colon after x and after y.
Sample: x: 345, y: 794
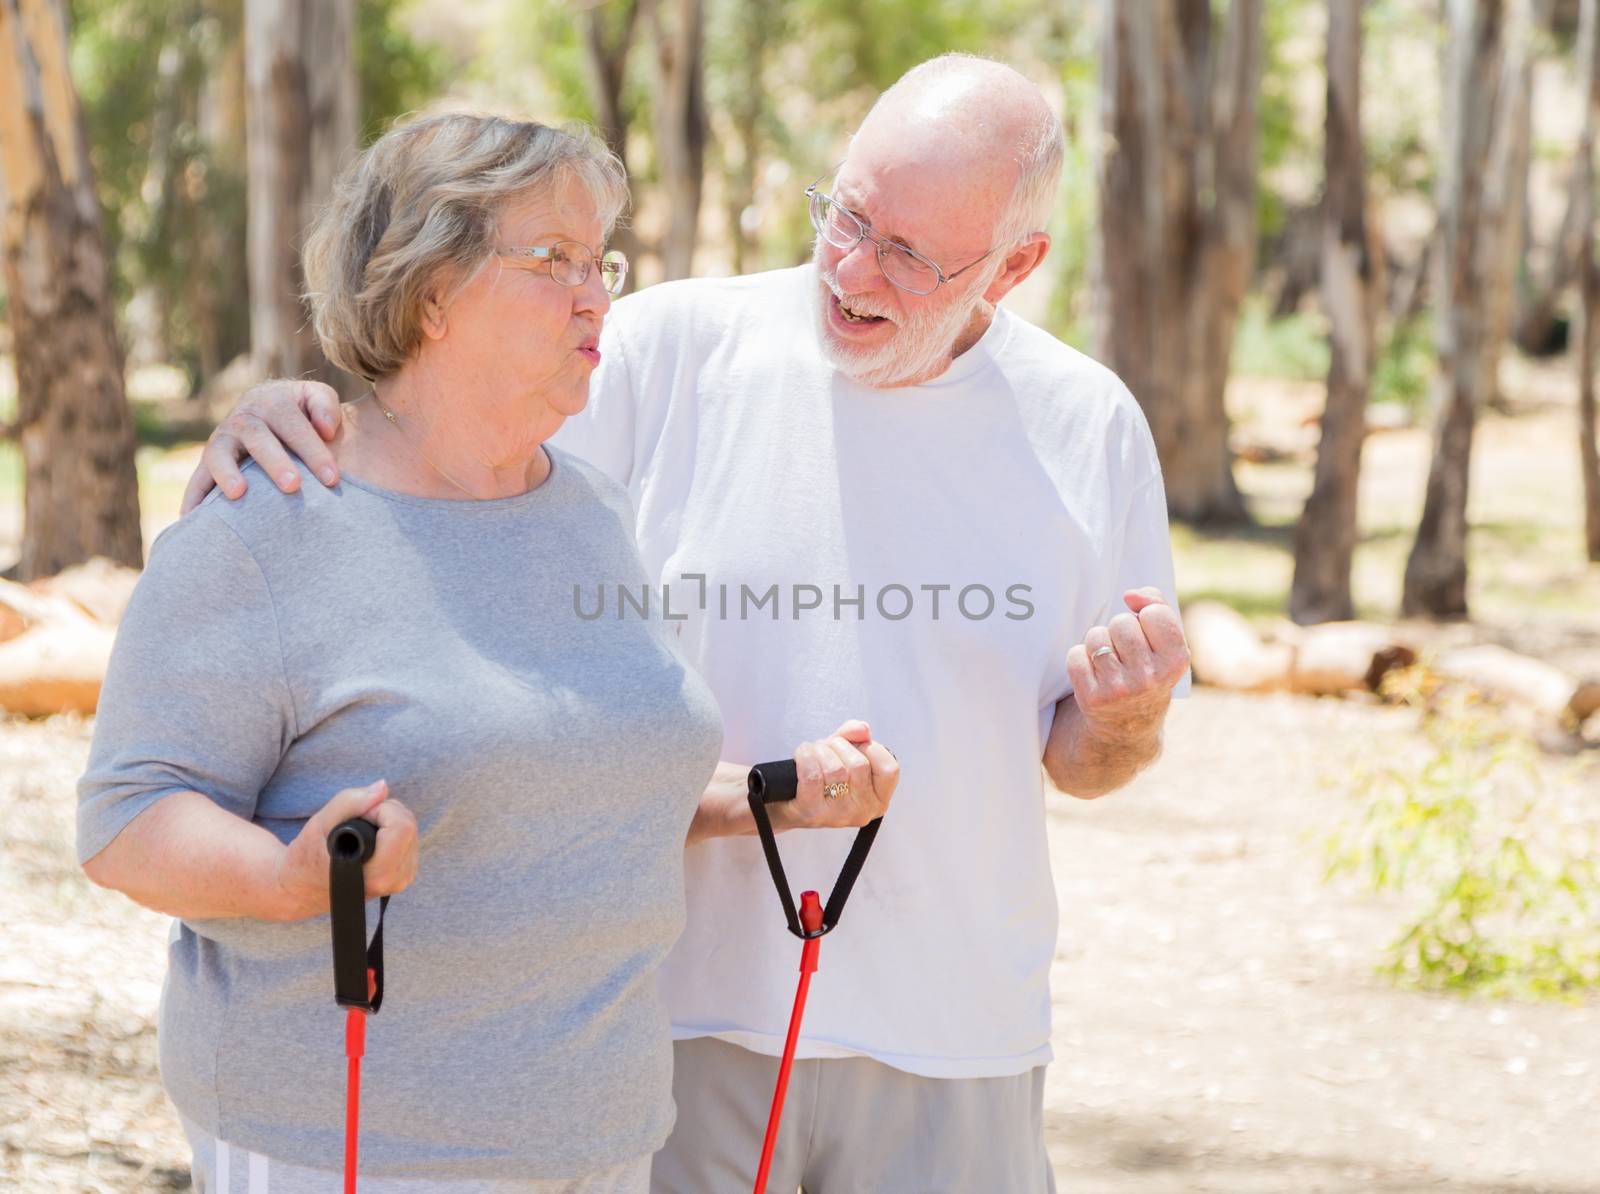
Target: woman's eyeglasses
x: 570, y: 262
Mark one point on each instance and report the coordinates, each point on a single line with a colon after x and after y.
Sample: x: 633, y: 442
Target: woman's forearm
x: 186, y: 857
x: 724, y: 809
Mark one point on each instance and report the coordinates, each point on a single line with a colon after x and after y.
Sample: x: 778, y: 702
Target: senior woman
x: 289, y: 662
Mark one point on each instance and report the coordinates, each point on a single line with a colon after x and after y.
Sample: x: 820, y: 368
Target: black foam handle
x: 353, y: 840
x: 350, y: 844
x: 774, y: 782
x: 770, y: 783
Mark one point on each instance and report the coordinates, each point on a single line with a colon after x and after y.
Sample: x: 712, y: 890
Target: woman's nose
x: 591, y: 296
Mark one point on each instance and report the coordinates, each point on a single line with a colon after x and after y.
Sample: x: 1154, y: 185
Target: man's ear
x: 1021, y: 261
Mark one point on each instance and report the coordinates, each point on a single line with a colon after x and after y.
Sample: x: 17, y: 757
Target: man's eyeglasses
x: 570, y: 262
x: 901, y: 264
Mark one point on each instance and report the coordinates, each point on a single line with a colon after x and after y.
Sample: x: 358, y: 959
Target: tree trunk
x: 1536, y: 312
x: 757, y: 29
x: 1436, y: 572
x: 1588, y: 449
x: 1505, y: 186
x: 221, y: 307
x: 300, y: 105
x: 1178, y: 222
x: 1535, y: 303
x: 606, y: 43
x: 82, y: 494
x: 152, y: 344
x: 1589, y: 287
x: 680, y: 127
x: 1412, y: 282
x: 1296, y: 252
x: 1326, y: 538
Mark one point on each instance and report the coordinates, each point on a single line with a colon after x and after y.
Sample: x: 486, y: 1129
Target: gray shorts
x: 850, y: 1126
x: 221, y: 1168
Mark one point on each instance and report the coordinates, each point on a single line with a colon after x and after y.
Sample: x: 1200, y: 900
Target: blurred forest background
x: 1343, y: 253
x: 1403, y: 245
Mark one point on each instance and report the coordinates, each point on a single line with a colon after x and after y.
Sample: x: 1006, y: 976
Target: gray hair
x: 417, y: 212
x: 1033, y: 199
x: 1039, y: 153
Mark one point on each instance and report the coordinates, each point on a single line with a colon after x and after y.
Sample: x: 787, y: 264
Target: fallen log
x: 1503, y: 673
x: 99, y: 587
x: 1225, y: 650
x: 1336, y: 657
x: 57, y: 662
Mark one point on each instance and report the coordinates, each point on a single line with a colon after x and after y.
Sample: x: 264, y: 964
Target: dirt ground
x: 1218, y: 1026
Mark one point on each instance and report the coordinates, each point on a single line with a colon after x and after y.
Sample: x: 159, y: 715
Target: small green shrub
x: 1293, y: 347
x: 1499, y: 866
x: 1406, y: 364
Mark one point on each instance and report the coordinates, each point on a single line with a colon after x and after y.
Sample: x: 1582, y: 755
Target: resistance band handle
x: 811, y: 922
x: 350, y: 844
x: 772, y: 783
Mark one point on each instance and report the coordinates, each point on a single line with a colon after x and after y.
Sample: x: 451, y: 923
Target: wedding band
x: 1101, y: 651
x: 834, y: 791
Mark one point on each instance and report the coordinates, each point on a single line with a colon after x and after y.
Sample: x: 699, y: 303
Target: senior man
x: 864, y: 486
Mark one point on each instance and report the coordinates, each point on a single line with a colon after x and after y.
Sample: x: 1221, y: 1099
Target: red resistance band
x: 770, y: 783
x: 355, y: 1046
x: 357, y: 967
x: 811, y: 920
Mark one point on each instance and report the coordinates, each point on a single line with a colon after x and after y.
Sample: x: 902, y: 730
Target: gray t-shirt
x: 279, y: 649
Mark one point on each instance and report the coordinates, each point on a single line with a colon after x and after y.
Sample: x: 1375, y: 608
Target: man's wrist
x: 1124, y: 736
x: 1089, y: 757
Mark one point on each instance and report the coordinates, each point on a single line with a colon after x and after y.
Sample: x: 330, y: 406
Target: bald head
x: 976, y: 129
x: 952, y: 175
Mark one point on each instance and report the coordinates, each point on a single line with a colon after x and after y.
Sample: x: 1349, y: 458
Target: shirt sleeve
x: 602, y: 433
x: 195, y: 697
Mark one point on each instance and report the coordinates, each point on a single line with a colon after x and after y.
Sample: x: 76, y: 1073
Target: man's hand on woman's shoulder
x: 272, y: 420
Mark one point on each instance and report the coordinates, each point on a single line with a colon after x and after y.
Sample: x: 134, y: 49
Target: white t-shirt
x: 1025, y: 480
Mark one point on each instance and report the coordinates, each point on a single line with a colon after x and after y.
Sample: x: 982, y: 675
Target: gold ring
x: 834, y: 791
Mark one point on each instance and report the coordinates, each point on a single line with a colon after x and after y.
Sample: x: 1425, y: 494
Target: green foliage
x: 170, y: 171
x: 394, y: 74
x: 1067, y: 43
x: 854, y: 46
x: 1401, y: 38
x: 1499, y: 868
x: 1294, y: 347
x: 163, y: 96
x: 1282, y: 144
x: 546, y: 36
x: 1406, y: 365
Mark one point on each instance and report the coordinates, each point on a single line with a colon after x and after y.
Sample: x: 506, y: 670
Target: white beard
x: 920, y: 347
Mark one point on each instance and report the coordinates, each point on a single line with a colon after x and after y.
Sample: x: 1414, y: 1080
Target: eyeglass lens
x: 841, y: 229
x: 570, y: 263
